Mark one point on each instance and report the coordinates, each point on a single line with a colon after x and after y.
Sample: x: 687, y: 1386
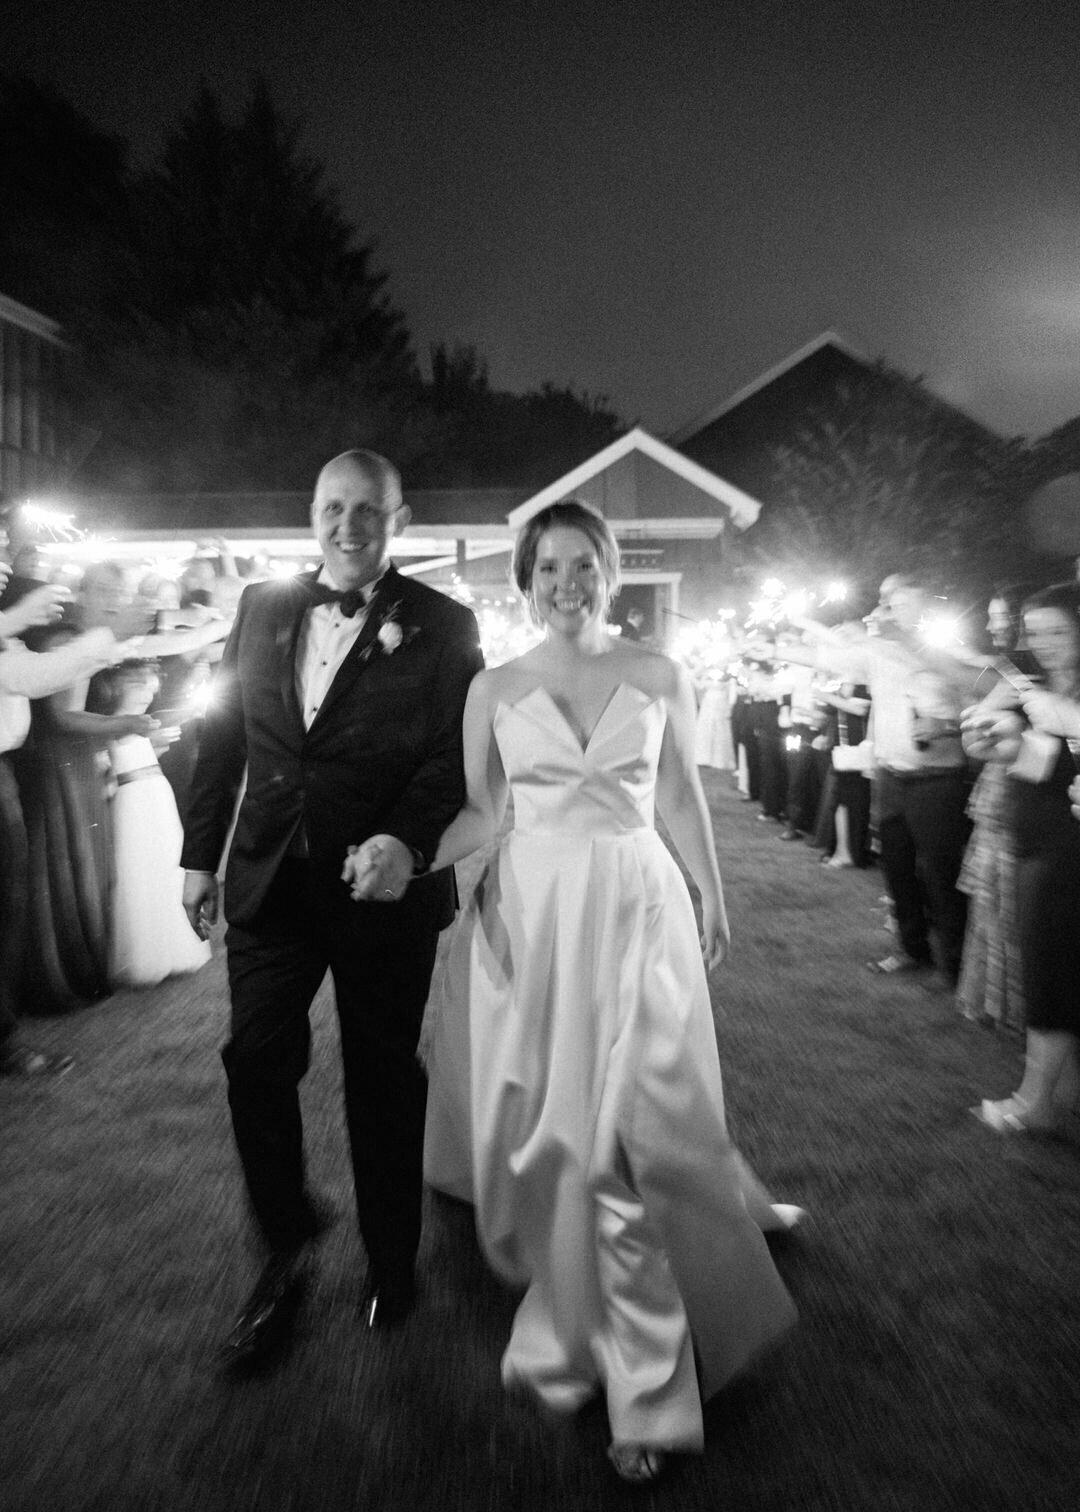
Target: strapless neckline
x: 615, y: 697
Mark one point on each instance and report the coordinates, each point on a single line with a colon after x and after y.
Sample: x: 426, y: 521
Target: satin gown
x: 150, y: 937
x: 576, y: 1095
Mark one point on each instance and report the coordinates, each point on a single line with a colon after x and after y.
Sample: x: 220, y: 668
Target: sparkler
x: 51, y: 523
x: 941, y: 631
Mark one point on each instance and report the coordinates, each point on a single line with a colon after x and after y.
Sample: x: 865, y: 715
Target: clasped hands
x: 996, y: 730
x: 379, y: 870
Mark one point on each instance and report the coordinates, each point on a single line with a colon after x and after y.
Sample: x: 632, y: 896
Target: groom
x: 342, y: 693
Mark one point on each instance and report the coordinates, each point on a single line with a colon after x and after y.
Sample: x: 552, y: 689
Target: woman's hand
x: 1074, y: 797
x: 135, y: 724
x: 991, y: 734
x: 378, y: 871
x: 715, y: 933
x: 165, y: 736
x: 1050, y: 713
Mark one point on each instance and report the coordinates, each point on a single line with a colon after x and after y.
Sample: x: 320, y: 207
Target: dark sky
x: 657, y: 201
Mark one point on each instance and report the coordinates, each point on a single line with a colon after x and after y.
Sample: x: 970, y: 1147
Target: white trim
x: 743, y: 509
x: 691, y: 528
x: 827, y: 338
x: 21, y: 315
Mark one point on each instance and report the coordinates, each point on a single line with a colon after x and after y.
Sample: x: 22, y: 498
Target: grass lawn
x: 937, y: 1362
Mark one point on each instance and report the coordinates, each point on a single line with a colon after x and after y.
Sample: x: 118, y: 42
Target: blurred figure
x: 184, y: 674
x: 62, y: 771
x: 917, y: 692
x: 747, y: 758
x: 25, y: 675
x: 766, y: 691
x: 991, y: 982
x: 633, y: 628
x: 150, y: 936
x: 801, y: 721
x: 1039, y: 744
x: 843, y: 829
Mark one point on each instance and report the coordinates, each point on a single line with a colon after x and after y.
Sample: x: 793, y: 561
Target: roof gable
x: 639, y: 478
x: 828, y: 342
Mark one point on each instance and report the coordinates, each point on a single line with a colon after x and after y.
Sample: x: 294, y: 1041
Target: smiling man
x: 341, y: 692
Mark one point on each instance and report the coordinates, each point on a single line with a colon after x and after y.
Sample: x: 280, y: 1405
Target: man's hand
x: 201, y: 901
x: 41, y: 606
x: 378, y: 871
x: 1074, y: 797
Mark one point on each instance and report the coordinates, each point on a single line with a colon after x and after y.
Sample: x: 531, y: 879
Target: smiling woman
x: 576, y: 1095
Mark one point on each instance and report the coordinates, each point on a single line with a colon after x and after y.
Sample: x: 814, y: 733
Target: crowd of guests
x: 99, y: 713
x: 577, y: 1097
x: 953, y: 771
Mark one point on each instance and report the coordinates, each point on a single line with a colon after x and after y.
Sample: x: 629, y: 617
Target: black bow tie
x: 348, y: 602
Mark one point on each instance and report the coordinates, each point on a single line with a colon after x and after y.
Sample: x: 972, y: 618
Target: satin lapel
x: 294, y: 607
x: 362, y: 649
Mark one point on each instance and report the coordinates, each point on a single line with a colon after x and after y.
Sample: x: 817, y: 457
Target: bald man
x: 341, y: 692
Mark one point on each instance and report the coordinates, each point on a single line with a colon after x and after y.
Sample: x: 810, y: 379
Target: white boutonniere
x: 391, y: 633
x: 390, y: 636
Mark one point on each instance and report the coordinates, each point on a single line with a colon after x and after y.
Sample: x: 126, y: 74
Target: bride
x: 576, y: 1095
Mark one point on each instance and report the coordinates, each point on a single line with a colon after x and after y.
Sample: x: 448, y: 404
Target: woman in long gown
x: 150, y: 937
x: 576, y: 1094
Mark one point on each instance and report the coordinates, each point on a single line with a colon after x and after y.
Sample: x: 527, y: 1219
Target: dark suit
x: 383, y: 756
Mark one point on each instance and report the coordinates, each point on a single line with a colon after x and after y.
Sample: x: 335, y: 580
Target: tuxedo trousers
x: 381, y: 959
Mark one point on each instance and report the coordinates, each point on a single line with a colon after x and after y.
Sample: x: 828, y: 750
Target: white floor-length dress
x: 576, y: 1095
x: 151, y: 937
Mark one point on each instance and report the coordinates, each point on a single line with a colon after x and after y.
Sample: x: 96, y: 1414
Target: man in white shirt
x: 921, y: 771
x: 25, y: 675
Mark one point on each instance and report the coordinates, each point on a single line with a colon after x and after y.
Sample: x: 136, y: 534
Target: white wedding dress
x: 576, y: 1095
x: 151, y: 938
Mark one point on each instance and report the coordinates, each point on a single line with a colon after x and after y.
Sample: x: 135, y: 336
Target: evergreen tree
x: 490, y: 438
x: 258, y: 338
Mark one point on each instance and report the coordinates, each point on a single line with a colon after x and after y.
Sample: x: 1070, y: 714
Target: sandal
x: 897, y: 965
x: 1010, y: 1116
x: 786, y: 1217
x: 637, y: 1462
x: 22, y: 1061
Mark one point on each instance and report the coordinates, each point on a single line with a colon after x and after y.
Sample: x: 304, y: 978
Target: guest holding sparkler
x: 991, y: 987
x: 918, y: 690
x: 1039, y: 745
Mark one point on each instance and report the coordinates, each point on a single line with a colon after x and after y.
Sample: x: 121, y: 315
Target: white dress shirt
x: 326, y: 638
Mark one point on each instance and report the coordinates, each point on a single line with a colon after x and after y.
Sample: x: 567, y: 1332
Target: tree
x: 63, y: 206
x: 257, y: 339
x: 884, y: 477
x: 490, y: 437
x: 228, y: 328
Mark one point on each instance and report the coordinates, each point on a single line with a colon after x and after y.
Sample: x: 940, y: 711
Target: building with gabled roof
x: 32, y: 432
x: 740, y: 437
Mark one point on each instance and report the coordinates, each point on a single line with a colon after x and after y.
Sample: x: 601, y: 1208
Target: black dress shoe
x: 265, y: 1325
x: 389, y: 1300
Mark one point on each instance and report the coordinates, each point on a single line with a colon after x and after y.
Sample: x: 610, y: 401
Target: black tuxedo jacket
x: 383, y: 755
